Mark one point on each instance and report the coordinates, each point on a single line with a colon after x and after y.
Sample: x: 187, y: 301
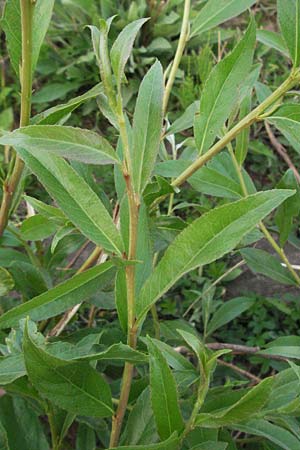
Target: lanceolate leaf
x: 273, y: 40
x: 221, y: 90
x: 287, y: 120
x: 229, y: 311
x: 147, y: 125
x: 262, y: 262
x: 278, y: 435
x: 163, y: 394
x: 76, y: 387
x: 77, y: 200
x: 122, y: 47
x: 248, y: 406
x: 63, y: 296
x: 205, y: 240
x: 11, y: 23
x: 216, y: 12
x: 72, y: 143
x: 170, y: 444
x: 55, y: 114
x: 289, y: 21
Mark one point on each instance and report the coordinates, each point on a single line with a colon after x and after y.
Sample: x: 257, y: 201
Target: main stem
x: 133, y: 202
x: 10, y: 184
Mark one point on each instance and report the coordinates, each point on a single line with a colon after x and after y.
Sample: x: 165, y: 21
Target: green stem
x: 201, y: 395
x: 10, y: 185
x: 246, y: 122
x: 263, y: 228
x: 184, y: 34
x: 53, y: 431
x: 133, y: 201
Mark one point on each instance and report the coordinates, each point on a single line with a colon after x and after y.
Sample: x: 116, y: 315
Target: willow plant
x: 173, y: 403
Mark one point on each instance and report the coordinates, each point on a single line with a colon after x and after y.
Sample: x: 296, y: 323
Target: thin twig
x: 281, y: 151
x: 237, y: 369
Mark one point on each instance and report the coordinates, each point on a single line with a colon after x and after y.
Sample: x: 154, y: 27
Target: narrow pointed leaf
x: 289, y: 21
x: 205, y: 240
x: 216, y: 12
x: 117, y: 352
x: 59, y: 112
x: 222, y: 89
x: 122, y: 47
x: 263, y: 262
x: 274, y: 433
x: 74, y: 196
x: 75, y: 387
x: 147, y: 125
x: 163, y: 394
x: 273, y: 40
x: 71, y: 143
x: 61, y: 297
x: 247, y: 407
x: 170, y: 444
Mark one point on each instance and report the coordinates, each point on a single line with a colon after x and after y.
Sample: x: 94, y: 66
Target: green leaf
x: 29, y: 280
x: 170, y: 444
x: 285, y: 351
x: 229, y: 311
x: 147, y: 125
x: 289, y: 209
x: 59, y: 112
x: 273, y: 40
x: 140, y: 427
x: 122, y: 48
x: 117, y: 352
x: 223, y: 88
x: 217, y: 178
x: 163, y: 394
x: 86, y: 438
x: 262, y: 262
x: 75, y: 387
x: 6, y: 282
x: 3, y: 438
x: 287, y: 120
x: 11, y: 23
x: 77, y: 200
x: 37, y: 228
x: 208, y: 238
x: 121, y: 298
x: 211, y: 445
x: 278, y: 435
x: 8, y: 256
x: 61, y: 297
x: 185, y: 121
x: 72, y: 143
x: 216, y: 12
x: 11, y: 368
x: 21, y: 422
x: 289, y: 22
x: 248, y: 406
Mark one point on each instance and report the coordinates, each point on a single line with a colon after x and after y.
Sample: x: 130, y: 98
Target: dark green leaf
x: 163, y: 394
x: 287, y: 120
x: 63, y: 296
x: 37, y: 228
x: 267, y: 264
x: 77, y: 200
x: 122, y: 47
x: 75, y: 387
x: 147, y: 125
x: 289, y: 21
x: 216, y: 12
x: 223, y: 87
